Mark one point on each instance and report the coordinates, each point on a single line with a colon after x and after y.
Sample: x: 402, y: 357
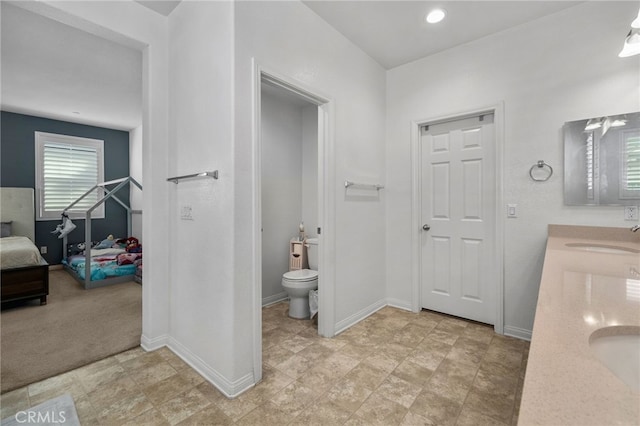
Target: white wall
x: 281, y: 190
x: 559, y: 68
x: 290, y: 39
x: 135, y: 171
x: 310, y: 170
x: 201, y: 139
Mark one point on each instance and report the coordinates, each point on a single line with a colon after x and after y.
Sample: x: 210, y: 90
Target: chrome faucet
x: 635, y: 228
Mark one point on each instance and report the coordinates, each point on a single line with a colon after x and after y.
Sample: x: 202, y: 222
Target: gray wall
x: 17, y: 169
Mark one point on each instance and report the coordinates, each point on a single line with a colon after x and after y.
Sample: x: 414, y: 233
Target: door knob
x: 425, y: 227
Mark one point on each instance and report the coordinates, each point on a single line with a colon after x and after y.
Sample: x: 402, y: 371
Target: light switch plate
x: 512, y: 210
x: 630, y: 212
x: 186, y: 212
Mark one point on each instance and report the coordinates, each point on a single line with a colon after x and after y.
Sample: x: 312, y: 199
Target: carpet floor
x: 75, y: 327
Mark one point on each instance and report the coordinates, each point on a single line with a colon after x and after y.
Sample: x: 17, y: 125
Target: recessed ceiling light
x: 435, y: 16
x: 75, y: 112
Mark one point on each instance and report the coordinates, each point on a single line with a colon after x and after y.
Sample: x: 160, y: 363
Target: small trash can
x: 313, y: 303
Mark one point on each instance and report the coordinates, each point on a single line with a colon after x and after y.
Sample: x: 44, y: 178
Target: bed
x: 95, y: 267
x: 112, y: 264
x: 24, y: 273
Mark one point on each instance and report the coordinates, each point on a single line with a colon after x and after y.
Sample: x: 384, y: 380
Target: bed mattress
x: 17, y: 252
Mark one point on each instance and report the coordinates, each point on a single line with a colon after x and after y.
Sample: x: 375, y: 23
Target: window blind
x: 69, y: 171
x: 631, y: 161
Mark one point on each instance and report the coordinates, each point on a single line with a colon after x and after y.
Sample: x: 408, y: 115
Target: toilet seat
x: 301, y: 275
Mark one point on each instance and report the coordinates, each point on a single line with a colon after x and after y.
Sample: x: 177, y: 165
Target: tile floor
x: 393, y: 368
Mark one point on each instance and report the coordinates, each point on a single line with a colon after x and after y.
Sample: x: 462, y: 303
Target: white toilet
x: 298, y: 283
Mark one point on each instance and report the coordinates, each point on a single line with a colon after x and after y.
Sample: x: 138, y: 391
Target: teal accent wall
x: 17, y: 169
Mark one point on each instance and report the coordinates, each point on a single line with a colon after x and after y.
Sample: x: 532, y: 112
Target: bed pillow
x: 6, y: 229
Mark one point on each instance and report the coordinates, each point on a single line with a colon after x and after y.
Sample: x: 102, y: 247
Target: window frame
x: 40, y: 139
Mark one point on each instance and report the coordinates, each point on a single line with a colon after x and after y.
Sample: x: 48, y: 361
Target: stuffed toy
x: 106, y: 243
x: 133, y: 246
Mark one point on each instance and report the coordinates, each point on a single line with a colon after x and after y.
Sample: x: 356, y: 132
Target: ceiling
x: 52, y: 70
x: 55, y: 71
x: 163, y: 7
x: 395, y: 32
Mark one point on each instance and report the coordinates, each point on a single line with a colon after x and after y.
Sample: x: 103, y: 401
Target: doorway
x: 325, y: 208
x: 456, y: 171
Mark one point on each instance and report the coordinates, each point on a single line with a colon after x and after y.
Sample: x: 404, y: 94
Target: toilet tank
x: 312, y: 253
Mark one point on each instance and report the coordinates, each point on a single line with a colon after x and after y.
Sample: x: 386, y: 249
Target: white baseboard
x: 359, y: 316
x: 520, y: 333
x: 149, y: 344
x: 274, y: 299
x: 228, y: 388
x: 400, y: 304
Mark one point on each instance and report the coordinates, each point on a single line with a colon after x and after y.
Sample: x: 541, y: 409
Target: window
x: 630, y: 164
x: 66, y: 168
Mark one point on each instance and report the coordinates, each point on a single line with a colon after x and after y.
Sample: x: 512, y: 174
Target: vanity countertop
x: 583, y: 289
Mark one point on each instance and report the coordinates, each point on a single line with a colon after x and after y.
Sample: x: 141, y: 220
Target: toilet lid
x: 301, y: 275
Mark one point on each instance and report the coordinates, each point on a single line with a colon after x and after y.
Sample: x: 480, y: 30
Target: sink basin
x: 618, y: 349
x: 602, y: 248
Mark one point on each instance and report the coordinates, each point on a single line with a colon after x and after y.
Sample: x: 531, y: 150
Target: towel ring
x: 540, y: 164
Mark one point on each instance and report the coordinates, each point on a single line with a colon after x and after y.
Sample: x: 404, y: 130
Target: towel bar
x: 176, y: 179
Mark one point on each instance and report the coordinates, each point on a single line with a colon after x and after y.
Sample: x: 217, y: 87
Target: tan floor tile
x: 296, y: 343
x: 316, y: 351
x: 427, y: 359
x: 502, y: 386
x: 91, y: 380
x: 294, y: 397
x: 152, y: 374
x: 124, y: 410
x: 74, y: 389
x: 130, y: 354
x: 151, y: 417
x: 276, y: 354
x: 443, y: 336
x: 295, y: 366
x: 270, y: 385
x: 232, y: 408
x: 94, y: 367
x: 436, y: 408
x: 339, y: 362
x: 382, y: 361
x: 87, y: 413
x: 191, y: 376
x: 479, y: 333
x: 179, y: 408
x: 452, y: 380
x: 112, y: 392
x: 332, y: 344
x: 413, y: 419
x: 14, y: 401
x: 348, y: 394
x: 452, y: 325
x: 145, y: 360
x: 377, y: 410
x: 356, y: 351
x: 471, y: 418
x: 398, y: 390
x: 266, y: 414
x: 209, y: 416
x: 320, y: 378
x: 413, y: 373
x: 167, y: 389
x: 490, y: 405
x: 323, y: 412
x: 54, y: 383
x: 369, y: 376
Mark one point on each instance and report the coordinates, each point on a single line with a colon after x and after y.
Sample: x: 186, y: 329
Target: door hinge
x: 319, y: 230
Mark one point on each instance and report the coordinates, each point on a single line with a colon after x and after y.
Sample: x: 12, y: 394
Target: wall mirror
x: 602, y: 161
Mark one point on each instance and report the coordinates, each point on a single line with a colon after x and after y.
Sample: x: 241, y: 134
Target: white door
x: 458, y: 189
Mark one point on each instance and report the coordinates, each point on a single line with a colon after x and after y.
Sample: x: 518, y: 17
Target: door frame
x: 416, y: 205
x: 326, y: 203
